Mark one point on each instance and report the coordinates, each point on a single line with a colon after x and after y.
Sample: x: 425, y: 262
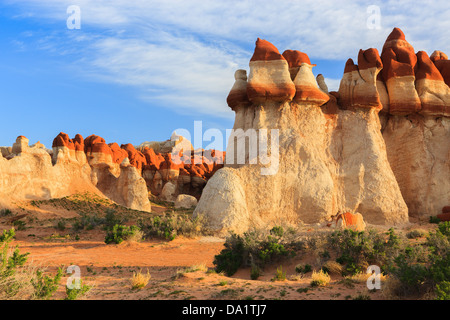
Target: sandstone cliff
x: 416, y: 124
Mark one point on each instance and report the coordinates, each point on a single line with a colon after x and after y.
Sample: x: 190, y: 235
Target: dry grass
x: 135, y: 237
x: 296, y: 277
x: 196, y: 267
x: 333, y: 267
x: 140, y: 280
x: 320, y: 279
x: 363, y: 277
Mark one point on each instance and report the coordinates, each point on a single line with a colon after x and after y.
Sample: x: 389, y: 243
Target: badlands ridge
x: 380, y: 146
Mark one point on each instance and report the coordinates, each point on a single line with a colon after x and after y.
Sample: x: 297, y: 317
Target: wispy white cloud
x: 332, y: 84
x: 184, y: 52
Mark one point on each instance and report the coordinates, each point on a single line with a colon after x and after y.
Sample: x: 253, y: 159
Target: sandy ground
x: 109, y: 268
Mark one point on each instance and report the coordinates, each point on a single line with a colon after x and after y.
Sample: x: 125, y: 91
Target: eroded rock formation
x: 125, y: 174
x: 334, y: 154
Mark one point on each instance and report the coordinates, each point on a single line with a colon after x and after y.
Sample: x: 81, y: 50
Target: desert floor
x: 180, y: 269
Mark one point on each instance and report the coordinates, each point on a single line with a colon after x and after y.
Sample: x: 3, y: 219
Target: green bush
x: 5, y: 213
x: 120, y: 233
x: 303, y: 269
x: 357, y: 250
x: 20, y: 225
x: 61, y: 225
x: 279, y: 274
x: 443, y: 290
x: 255, y: 248
x: 74, y: 293
x: 45, y: 286
x: 9, y: 264
x: 414, y: 234
x: 170, y: 226
x: 231, y: 258
x: 426, y: 267
x: 434, y: 219
x: 255, y: 272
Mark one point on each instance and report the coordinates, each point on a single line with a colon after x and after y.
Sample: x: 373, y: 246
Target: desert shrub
x: 74, y: 293
x: 5, y: 213
x: 414, y: 234
x: 303, y: 268
x: 111, y: 219
x: 172, y: 225
x: 10, y: 261
x: 434, y: 219
x: 357, y: 250
x: 319, y: 279
x: 61, y: 225
x: 20, y: 225
x: 140, y: 280
x: 255, y: 272
x: 425, y: 268
x: 44, y: 285
x: 120, y: 233
x: 18, y: 281
x: 279, y: 274
x: 257, y: 248
x: 232, y: 256
x: 87, y: 221
x: 443, y: 290
x: 332, y: 267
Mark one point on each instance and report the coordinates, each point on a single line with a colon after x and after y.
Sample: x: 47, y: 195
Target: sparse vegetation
x: 256, y: 248
x: 303, y: 268
x: 279, y: 274
x: 417, y: 233
x: 75, y: 293
x: 5, y: 213
x: 320, y: 279
x: 169, y: 226
x: 44, y: 285
x: 120, y: 233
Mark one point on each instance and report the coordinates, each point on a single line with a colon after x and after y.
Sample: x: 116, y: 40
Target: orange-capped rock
x: 295, y: 59
x: 97, y: 151
x: 118, y: 154
x: 95, y: 143
x: 269, y: 78
x: 399, y: 61
x: 438, y: 55
x: 137, y: 159
x: 78, y: 142
x: 238, y: 93
x: 63, y: 140
x: 433, y: 92
x: 442, y: 63
x: 153, y: 159
x: 306, y: 87
x: 358, y: 87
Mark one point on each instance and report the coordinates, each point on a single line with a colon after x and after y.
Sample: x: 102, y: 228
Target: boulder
x: 185, y: 201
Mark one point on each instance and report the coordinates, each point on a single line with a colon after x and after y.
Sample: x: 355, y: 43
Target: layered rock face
x: 416, y: 124
x: 330, y: 154
x: 28, y: 173
x: 123, y: 173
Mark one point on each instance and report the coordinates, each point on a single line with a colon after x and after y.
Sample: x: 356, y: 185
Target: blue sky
x: 137, y: 70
